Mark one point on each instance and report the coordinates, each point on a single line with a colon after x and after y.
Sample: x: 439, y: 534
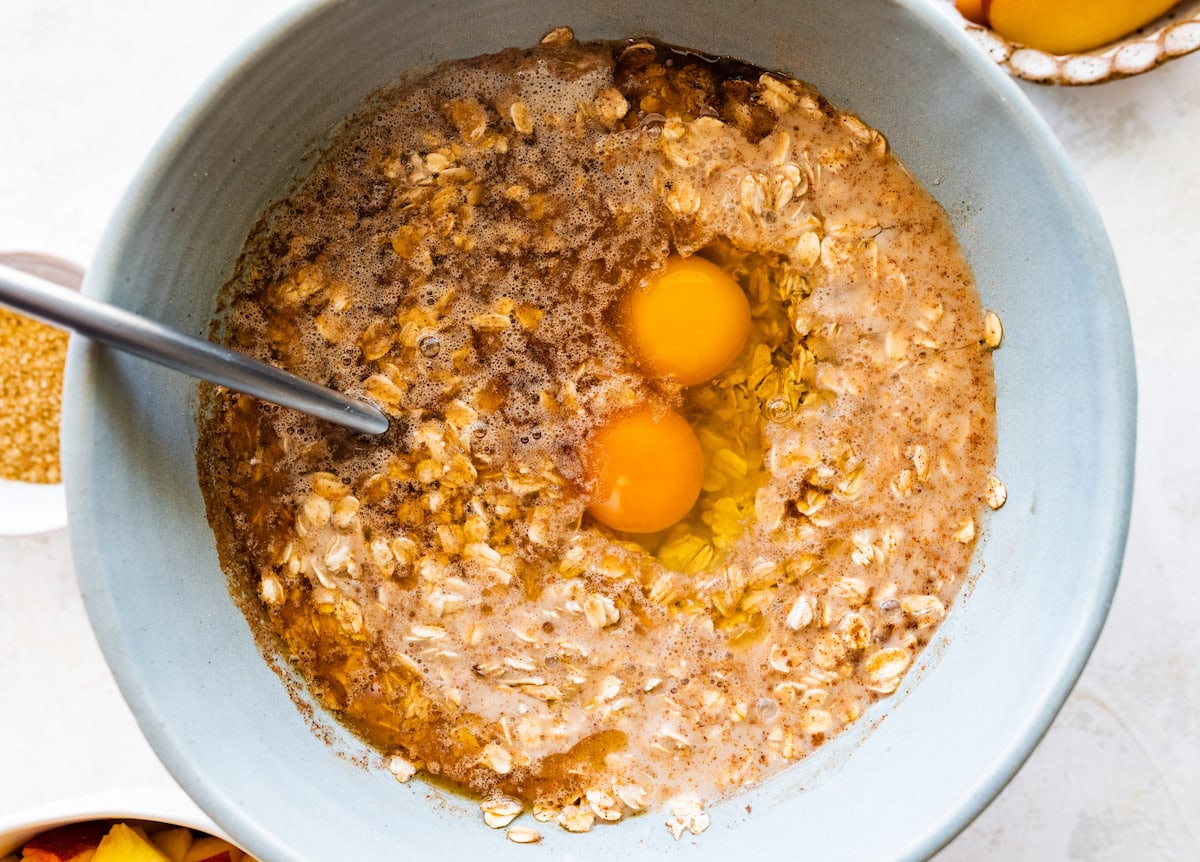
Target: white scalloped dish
x: 1173, y: 35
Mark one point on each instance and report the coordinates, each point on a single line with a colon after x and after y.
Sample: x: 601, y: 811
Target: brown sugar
x: 32, y: 356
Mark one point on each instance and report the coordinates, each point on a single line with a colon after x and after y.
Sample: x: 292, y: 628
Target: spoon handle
x: 138, y: 335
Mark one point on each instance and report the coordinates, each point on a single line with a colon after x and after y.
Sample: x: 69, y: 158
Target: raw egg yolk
x: 644, y: 469
x: 688, y: 321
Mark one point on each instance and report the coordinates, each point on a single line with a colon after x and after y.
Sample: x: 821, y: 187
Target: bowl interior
x: 922, y: 763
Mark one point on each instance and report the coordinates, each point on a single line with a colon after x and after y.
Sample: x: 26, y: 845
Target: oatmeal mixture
x: 461, y: 255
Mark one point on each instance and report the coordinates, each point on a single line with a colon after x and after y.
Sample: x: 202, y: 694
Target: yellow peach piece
x: 210, y: 849
x: 972, y: 10
x: 1068, y: 26
x: 123, y: 844
x: 175, y: 843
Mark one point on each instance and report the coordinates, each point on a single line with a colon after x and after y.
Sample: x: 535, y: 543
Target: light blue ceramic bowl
x: 921, y: 764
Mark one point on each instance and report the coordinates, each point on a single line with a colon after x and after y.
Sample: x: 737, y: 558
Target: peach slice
x: 76, y: 842
x: 1068, y: 26
x: 209, y: 849
x: 174, y: 843
x: 972, y: 10
x: 124, y: 844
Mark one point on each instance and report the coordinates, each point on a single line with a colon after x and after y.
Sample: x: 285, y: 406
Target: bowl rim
x: 168, y: 806
x: 1111, y: 531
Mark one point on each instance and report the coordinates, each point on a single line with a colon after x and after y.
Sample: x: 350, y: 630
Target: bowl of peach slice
x: 1080, y: 41
x: 131, y: 830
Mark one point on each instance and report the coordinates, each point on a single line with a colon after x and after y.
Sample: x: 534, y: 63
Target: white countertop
x: 85, y: 89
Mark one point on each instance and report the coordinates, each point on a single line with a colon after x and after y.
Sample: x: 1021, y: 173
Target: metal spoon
x: 142, y: 337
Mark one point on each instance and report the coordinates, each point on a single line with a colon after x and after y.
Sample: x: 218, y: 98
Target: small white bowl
x: 1172, y: 35
x: 27, y: 508
x: 170, y: 807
